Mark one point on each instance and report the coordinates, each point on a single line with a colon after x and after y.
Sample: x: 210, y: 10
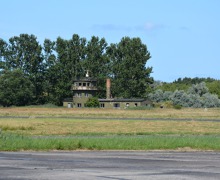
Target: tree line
x: 31, y: 73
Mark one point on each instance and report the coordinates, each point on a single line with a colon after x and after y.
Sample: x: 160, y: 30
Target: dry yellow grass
x: 188, y: 113
x: 62, y: 126
x: 59, y: 126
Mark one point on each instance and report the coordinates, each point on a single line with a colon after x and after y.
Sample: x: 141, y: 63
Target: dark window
x: 102, y: 105
x: 79, y: 105
x: 78, y: 95
x: 116, y: 105
x: 135, y: 104
x: 80, y: 84
x: 84, y: 84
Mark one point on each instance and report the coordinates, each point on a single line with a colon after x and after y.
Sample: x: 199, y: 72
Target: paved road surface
x: 116, y: 165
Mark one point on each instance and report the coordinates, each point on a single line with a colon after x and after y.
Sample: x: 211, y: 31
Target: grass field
x: 47, y: 129
x: 190, y: 113
x: 71, y: 126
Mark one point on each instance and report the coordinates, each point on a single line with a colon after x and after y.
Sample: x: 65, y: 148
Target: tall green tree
x: 97, y: 62
x: 50, y: 60
x: 68, y: 66
x: 3, y: 54
x: 15, y: 89
x: 25, y: 53
x: 129, y: 72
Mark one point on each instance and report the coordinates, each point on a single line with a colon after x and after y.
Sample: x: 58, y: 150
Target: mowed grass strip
x: 12, y: 142
x: 66, y: 126
x: 189, y: 113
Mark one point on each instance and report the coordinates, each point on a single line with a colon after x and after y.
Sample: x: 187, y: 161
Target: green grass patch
x: 53, y: 132
x: 13, y: 142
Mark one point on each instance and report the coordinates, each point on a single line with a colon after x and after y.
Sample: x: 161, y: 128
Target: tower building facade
x: 82, y: 90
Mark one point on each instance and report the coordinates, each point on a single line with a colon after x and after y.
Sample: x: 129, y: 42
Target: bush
x: 177, y: 106
x: 197, y: 96
x: 92, y: 102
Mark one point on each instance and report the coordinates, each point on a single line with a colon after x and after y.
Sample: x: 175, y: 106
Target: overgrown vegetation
x: 31, y: 73
x: 92, y: 102
x: 196, y: 96
x: 52, y: 67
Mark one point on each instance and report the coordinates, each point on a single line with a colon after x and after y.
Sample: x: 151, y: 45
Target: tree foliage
x: 25, y: 53
x: 67, y: 67
x: 128, y: 64
x: 53, y: 66
x: 214, y: 87
x: 97, y: 62
x: 15, y: 89
x: 31, y: 73
x: 92, y: 102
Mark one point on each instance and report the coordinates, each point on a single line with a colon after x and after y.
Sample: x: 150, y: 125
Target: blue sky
x: 183, y: 36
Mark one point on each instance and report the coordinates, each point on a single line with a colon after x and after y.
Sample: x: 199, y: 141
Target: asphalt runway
x: 116, y: 165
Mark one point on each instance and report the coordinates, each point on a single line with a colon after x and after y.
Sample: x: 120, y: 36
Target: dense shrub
x: 92, y: 102
x: 157, y: 96
x: 177, y: 106
x: 211, y: 100
x: 196, y: 96
x: 198, y: 89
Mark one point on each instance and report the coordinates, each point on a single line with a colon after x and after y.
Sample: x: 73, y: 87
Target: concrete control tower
x: 82, y: 90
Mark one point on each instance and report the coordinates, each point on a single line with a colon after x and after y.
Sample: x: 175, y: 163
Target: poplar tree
x: 97, y: 62
x: 23, y: 52
x: 130, y: 73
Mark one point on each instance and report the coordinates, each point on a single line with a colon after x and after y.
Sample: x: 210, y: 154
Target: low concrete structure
x: 85, y: 88
x: 122, y: 103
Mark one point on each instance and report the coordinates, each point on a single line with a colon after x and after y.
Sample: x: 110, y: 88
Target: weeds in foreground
x: 13, y: 142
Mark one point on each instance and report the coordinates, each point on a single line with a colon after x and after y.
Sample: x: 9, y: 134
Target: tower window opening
x: 78, y: 95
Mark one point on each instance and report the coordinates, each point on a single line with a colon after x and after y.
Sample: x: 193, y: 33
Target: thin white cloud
x: 184, y: 28
x: 111, y: 27
x: 147, y: 27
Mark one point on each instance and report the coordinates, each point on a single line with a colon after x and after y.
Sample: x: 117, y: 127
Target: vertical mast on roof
x: 87, y: 73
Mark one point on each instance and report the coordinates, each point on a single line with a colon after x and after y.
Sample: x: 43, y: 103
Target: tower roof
x: 86, y: 79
